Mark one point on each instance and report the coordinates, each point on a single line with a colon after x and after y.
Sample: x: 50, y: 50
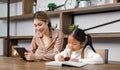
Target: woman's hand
x: 15, y: 53
x: 29, y: 56
x: 60, y: 58
x: 73, y: 59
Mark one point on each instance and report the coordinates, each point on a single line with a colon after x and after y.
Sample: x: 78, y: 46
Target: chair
x: 104, y: 54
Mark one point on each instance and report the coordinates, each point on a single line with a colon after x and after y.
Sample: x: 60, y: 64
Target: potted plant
x: 72, y: 27
x: 52, y: 6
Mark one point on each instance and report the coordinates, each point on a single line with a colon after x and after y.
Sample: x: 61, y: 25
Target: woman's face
x: 74, y: 44
x: 40, y: 26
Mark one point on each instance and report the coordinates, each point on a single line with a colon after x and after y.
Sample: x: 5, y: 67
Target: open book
x: 65, y: 63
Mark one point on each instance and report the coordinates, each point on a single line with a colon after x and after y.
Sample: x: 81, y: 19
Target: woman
x: 46, y: 42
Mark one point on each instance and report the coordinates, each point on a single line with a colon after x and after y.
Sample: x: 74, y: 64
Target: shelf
x: 94, y: 9
x: 82, y: 10
x: 105, y: 35
x: 11, y: 1
x: 18, y: 17
x: 54, y: 13
x: 94, y: 35
x: 27, y: 9
x: 19, y: 37
x: 101, y: 35
x: 28, y: 16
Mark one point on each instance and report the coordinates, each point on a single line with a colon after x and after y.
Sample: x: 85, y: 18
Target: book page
x: 54, y: 63
x: 71, y: 63
x: 65, y: 63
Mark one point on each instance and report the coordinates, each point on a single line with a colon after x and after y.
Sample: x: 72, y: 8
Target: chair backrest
x: 104, y: 54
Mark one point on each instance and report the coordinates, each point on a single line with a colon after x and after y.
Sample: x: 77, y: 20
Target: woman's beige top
x: 47, y: 53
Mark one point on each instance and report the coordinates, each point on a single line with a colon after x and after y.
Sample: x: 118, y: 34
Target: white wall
x: 90, y: 20
x: 55, y: 21
x: 3, y: 28
x: 1, y: 46
x: 3, y: 11
x: 26, y: 27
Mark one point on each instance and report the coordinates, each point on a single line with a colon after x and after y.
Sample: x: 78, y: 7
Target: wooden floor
x: 12, y: 63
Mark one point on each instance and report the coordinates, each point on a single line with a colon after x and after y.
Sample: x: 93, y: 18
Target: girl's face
x: 74, y: 44
x: 40, y: 26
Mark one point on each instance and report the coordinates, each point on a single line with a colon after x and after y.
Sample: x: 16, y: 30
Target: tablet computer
x: 21, y: 51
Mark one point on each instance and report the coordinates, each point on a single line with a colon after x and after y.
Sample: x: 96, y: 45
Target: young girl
x: 79, y: 49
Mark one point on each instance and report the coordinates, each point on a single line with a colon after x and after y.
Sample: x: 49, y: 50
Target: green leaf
x: 53, y: 5
x: 72, y: 27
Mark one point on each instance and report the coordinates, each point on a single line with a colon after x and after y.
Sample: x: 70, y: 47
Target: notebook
x: 65, y: 63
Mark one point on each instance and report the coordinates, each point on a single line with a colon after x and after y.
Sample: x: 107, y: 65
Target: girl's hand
x: 60, y: 58
x: 73, y: 59
x: 29, y: 56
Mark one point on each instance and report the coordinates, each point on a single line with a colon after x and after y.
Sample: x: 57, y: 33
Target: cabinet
x: 27, y: 7
x: 66, y: 19
x: 11, y: 1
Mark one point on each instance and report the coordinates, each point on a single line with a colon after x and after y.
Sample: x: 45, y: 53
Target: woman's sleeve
x: 92, y: 58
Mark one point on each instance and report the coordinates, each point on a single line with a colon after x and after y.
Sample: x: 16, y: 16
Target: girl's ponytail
x: 88, y: 42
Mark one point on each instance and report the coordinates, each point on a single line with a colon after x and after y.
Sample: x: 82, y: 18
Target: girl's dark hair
x: 80, y: 35
x: 41, y: 15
